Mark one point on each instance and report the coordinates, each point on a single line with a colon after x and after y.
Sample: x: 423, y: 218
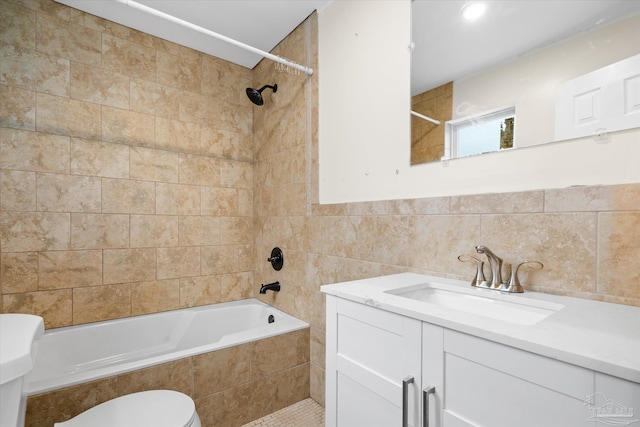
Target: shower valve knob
x: 276, y: 259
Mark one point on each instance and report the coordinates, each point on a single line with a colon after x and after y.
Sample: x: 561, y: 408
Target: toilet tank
x: 18, y: 333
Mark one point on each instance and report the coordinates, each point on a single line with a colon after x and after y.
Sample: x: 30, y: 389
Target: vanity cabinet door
x: 433, y: 372
x: 493, y: 385
x: 369, y: 354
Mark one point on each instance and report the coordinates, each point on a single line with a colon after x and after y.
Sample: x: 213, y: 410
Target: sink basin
x: 482, y: 302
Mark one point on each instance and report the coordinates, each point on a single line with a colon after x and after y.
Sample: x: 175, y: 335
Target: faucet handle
x: 514, y: 282
x: 479, y: 280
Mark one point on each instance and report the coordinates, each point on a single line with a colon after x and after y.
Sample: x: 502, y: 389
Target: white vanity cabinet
x: 370, y: 352
x: 489, y: 384
x: 478, y: 382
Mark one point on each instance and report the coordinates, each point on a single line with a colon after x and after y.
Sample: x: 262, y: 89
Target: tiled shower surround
x: 127, y: 179
x: 140, y: 179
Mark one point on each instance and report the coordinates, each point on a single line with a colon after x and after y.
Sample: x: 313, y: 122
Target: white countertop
x: 600, y: 336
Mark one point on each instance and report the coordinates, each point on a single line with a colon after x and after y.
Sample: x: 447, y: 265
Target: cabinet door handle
x: 405, y: 400
x: 425, y: 404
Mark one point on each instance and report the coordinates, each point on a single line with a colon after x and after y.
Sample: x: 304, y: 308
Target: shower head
x: 255, y: 95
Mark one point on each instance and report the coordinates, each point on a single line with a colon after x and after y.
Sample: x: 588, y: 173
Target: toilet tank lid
x: 155, y: 408
x: 17, y: 334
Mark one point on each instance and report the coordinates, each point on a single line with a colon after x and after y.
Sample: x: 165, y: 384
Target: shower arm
x: 166, y: 16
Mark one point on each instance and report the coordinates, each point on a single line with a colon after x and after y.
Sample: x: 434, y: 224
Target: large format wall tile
x: 54, y: 306
x: 129, y: 265
x: 64, y: 116
x: 99, y: 86
x: 18, y: 26
x: 34, y: 231
x: 128, y: 196
x: 154, y: 231
x: 223, y: 369
x: 128, y: 58
x: 148, y: 164
x: 177, y: 199
x: 62, y: 269
x: 183, y: 73
x: 97, y: 303
x: 33, y: 151
x: 618, y: 249
x: 177, y: 135
x: 564, y: 243
x: 19, y: 272
x: 152, y: 98
x: 17, y: 190
x: 67, y: 40
x: 68, y: 193
x: 178, y: 262
x: 99, y: 231
x: 96, y: 158
x: 18, y: 108
x: 155, y: 296
x: 34, y: 70
x: 128, y: 127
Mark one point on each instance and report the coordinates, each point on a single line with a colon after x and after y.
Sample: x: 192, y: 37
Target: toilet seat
x: 155, y: 408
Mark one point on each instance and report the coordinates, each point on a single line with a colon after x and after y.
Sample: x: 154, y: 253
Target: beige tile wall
x: 125, y: 170
x: 427, y: 139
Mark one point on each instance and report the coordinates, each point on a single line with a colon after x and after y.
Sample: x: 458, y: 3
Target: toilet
x: 155, y: 408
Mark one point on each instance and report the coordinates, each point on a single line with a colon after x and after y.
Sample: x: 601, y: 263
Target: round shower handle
x: 276, y: 259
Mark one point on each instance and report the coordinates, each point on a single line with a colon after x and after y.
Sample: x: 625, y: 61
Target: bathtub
x: 78, y: 354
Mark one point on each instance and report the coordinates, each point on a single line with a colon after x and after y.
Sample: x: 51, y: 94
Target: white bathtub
x: 78, y: 354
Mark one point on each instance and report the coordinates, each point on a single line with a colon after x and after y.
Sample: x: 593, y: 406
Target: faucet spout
x: 495, y: 262
x: 275, y: 286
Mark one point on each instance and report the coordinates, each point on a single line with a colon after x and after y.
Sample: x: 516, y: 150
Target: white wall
x: 530, y: 81
x: 364, y: 124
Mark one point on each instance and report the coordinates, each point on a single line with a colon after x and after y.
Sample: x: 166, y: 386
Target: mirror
x: 531, y: 56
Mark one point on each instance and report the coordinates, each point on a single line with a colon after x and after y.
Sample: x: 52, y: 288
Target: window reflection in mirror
x: 480, y: 134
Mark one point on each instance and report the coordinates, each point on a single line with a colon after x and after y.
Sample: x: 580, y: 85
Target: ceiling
x: 258, y: 23
x: 446, y: 48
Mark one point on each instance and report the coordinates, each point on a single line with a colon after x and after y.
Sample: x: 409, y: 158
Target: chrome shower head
x: 255, y: 95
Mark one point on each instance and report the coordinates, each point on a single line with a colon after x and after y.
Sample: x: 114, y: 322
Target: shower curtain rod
x: 429, y: 119
x: 166, y: 16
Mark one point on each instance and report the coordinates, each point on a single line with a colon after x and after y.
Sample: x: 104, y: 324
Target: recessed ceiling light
x: 473, y: 10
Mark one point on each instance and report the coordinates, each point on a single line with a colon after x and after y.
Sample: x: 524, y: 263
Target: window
x: 482, y: 133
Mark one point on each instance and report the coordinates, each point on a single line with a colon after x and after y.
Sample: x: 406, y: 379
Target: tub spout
x: 275, y: 286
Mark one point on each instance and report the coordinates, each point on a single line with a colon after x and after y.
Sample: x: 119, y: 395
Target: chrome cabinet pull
x: 405, y: 400
x: 425, y: 405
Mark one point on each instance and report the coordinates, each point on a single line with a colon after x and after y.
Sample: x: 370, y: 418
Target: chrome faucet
x: 495, y: 263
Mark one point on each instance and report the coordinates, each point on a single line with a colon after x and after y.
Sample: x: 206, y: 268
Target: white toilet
x: 155, y: 408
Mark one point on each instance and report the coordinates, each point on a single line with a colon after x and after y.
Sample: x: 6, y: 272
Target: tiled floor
x: 306, y: 413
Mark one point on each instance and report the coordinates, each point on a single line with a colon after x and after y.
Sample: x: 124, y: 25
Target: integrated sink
x: 481, y: 302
